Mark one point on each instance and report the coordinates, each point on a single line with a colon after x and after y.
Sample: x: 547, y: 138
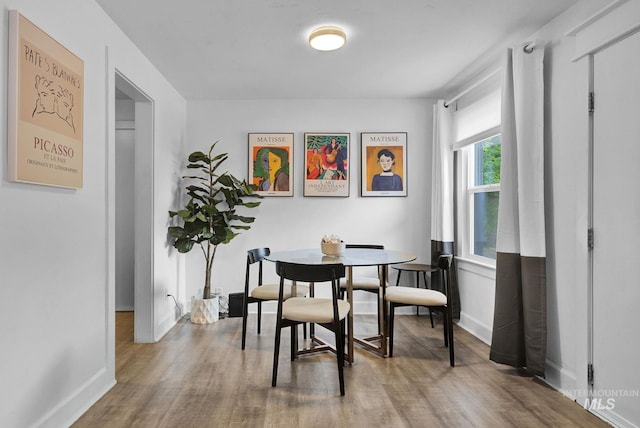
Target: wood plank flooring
x: 197, y: 376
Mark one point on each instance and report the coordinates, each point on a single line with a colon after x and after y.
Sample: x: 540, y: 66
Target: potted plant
x: 210, y: 217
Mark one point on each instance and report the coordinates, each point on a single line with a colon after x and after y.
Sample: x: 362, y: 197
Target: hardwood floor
x: 197, y: 376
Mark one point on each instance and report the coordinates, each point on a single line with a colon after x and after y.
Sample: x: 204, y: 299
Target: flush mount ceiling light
x: 327, y: 38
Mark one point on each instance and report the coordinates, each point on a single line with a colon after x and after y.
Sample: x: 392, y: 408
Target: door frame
x: 144, y: 317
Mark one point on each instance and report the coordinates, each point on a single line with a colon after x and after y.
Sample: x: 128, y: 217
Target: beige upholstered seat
x: 316, y: 310
x: 432, y: 299
x: 262, y: 292
x: 416, y: 296
x: 364, y: 283
x: 328, y: 313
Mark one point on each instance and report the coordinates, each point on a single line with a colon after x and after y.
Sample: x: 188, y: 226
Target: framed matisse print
x: 271, y: 163
x: 384, y: 164
x: 326, y: 164
x: 45, y: 108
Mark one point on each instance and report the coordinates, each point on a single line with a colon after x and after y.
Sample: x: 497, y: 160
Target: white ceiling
x: 258, y: 49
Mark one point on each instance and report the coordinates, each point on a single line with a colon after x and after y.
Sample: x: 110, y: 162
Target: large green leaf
x: 177, y: 232
x: 210, y: 210
x: 226, y: 180
x: 183, y: 245
x: 198, y: 157
x: 245, y: 219
x: 241, y: 227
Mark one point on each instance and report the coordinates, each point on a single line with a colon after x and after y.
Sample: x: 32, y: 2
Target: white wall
x: 56, y: 264
x: 300, y: 222
x: 477, y: 286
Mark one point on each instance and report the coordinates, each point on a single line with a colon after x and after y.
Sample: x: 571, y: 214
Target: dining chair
x: 369, y: 284
x: 262, y: 292
x: 329, y: 313
x: 431, y: 299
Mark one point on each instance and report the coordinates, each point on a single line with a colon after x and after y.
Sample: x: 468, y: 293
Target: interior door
x: 616, y: 227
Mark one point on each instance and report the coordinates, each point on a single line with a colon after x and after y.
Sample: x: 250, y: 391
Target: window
x: 476, y: 142
x: 484, y: 193
x: 479, y: 193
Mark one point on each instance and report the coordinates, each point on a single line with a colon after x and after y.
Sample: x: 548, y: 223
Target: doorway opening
x: 134, y: 207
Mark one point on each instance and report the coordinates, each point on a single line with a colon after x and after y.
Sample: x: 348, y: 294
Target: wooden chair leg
x: 244, y: 322
x: 449, y: 316
x: 418, y: 286
x: 445, y: 323
x: 276, y: 355
x: 259, y: 316
x: 392, y: 309
x: 337, y: 328
x: 343, y: 335
x: 294, y: 341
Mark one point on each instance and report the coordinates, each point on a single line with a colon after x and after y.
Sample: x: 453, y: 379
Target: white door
x: 616, y: 227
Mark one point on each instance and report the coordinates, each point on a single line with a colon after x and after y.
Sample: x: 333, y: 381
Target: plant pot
x: 204, y: 311
x: 332, y: 248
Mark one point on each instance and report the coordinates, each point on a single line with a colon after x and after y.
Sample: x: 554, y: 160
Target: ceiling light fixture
x: 327, y: 38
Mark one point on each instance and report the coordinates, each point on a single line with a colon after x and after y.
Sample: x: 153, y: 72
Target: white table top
x: 350, y: 257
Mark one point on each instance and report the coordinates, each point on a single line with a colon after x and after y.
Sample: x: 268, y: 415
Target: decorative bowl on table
x: 332, y: 248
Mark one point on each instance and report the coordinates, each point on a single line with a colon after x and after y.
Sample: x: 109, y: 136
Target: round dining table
x: 352, y: 257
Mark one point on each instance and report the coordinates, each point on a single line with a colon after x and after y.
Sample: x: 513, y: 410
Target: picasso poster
x: 271, y: 163
x: 384, y: 164
x: 45, y: 108
x: 326, y: 164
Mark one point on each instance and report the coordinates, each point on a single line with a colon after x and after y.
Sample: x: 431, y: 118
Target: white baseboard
x: 561, y: 379
x: 475, y: 327
x: 74, y: 406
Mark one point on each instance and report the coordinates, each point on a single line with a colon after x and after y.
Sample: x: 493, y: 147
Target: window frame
x: 466, y: 191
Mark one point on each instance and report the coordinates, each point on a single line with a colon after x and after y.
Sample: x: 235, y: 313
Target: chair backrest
x: 255, y: 256
x: 314, y: 274
x: 369, y: 246
x: 310, y: 273
x: 444, y: 263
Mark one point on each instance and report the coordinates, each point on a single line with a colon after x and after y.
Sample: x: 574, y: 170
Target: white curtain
x: 519, y: 328
x: 442, y: 175
x: 442, y: 220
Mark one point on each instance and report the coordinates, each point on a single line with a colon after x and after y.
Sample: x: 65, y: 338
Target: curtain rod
x: 475, y: 85
x: 527, y: 47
